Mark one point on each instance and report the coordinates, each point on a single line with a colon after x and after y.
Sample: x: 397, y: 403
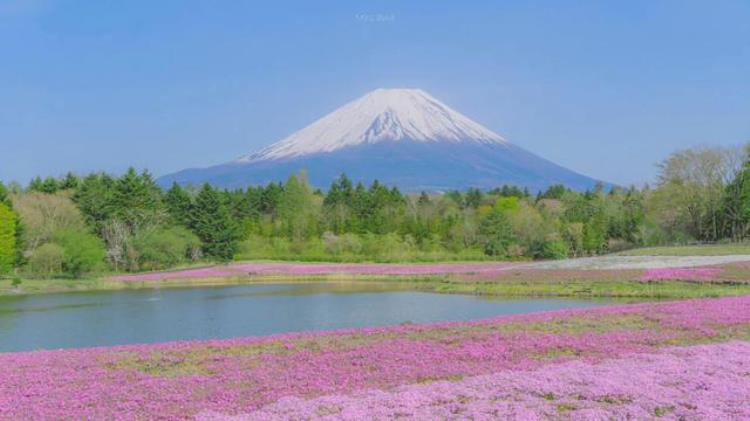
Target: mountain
x: 401, y: 137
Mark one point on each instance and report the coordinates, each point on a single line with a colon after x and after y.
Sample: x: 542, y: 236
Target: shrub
x: 83, y: 252
x: 162, y: 248
x: 47, y: 260
x: 349, y: 244
x: 550, y: 249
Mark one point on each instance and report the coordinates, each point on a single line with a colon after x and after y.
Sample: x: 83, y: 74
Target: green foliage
x: 4, y: 196
x: 179, y: 205
x: 700, y: 196
x: 94, y: 198
x: 165, y: 247
x: 556, y: 191
x: 7, y: 238
x: 296, y: 209
x: 496, y: 234
x: 136, y: 200
x: 212, y: 223
x: 82, y: 252
x: 47, y: 261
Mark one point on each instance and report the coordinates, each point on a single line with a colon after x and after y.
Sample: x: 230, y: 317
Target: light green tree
x: 7, y: 238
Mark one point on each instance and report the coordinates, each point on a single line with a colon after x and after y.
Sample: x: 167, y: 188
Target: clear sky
x: 606, y: 88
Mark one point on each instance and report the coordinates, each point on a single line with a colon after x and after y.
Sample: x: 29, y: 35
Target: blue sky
x: 604, y: 88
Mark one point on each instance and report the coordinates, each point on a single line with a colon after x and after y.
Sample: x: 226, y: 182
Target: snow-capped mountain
x: 380, y: 116
x: 401, y: 137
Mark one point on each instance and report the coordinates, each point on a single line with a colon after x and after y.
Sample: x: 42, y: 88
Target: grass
x: 513, y: 287
x: 591, y: 289
x: 696, y: 250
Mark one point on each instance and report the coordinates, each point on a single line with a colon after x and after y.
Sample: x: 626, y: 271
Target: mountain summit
x: 402, y: 137
x: 383, y: 115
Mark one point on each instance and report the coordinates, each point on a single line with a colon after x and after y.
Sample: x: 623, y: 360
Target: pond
x: 74, y: 320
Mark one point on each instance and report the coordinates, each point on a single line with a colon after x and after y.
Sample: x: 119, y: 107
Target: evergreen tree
x: 496, y: 234
x: 269, y: 199
x: 36, y: 184
x: 94, y: 198
x: 70, y: 182
x: 474, y: 198
x: 136, y: 199
x: 50, y: 185
x: 179, y: 205
x: 212, y: 223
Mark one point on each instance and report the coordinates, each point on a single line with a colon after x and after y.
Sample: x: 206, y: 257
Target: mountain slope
x: 401, y: 137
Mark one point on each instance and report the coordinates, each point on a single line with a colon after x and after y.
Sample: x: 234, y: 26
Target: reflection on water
x: 153, y: 315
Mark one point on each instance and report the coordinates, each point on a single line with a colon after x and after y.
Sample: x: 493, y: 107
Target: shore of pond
x: 605, y: 276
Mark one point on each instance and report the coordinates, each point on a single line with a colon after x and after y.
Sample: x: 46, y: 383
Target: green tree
x: 83, y: 252
x: 94, y: 198
x: 165, y: 247
x: 47, y: 260
x: 736, y: 202
x: 496, y: 234
x: 179, y: 205
x: 137, y: 199
x: 7, y: 238
x: 211, y: 222
x: 70, y: 182
x: 297, y: 208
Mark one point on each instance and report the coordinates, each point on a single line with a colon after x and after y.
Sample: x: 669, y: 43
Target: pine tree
x: 179, y: 205
x: 94, y: 198
x: 36, y: 184
x: 136, y: 199
x: 50, y: 185
x: 71, y: 181
x: 212, y: 223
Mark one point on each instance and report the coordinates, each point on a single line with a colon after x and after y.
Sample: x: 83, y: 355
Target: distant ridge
x: 401, y: 137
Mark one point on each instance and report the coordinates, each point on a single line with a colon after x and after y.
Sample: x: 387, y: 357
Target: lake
x: 73, y: 320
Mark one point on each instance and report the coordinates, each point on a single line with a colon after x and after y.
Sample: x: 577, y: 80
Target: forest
x: 74, y: 225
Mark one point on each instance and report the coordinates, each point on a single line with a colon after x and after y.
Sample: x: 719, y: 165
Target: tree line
x: 73, y: 225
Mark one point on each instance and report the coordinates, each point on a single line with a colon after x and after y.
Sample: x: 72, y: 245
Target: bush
x: 47, y: 260
x: 346, y: 244
x: 82, y: 252
x: 550, y: 249
x: 7, y: 238
x: 162, y: 248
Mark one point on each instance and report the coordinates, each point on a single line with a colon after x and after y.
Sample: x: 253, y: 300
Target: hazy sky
x: 606, y: 88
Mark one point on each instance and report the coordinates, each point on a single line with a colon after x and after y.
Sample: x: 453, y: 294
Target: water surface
x: 157, y: 315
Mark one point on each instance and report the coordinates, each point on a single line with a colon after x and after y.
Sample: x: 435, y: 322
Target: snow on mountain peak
x: 379, y: 116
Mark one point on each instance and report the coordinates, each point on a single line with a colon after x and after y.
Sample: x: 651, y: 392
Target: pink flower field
x: 705, y: 381
x: 686, y: 359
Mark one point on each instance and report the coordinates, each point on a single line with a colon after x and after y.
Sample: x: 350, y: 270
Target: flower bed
x: 238, y: 376
x: 698, y: 382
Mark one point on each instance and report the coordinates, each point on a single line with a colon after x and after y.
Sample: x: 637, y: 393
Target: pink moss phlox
x: 700, y: 382
x: 235, y: 376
